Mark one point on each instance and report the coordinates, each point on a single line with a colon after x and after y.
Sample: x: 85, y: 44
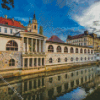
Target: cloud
x: 90, y: 18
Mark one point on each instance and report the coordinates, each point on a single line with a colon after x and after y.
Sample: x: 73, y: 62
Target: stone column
x: 41, y: 62
x: 32, y: 62
x: 36, y: 45
x: 23, y: 44
x: 23, y: 63
x: 36, y: 61
x: 32, y: 45
x: 28, y: 62
x: 44, y: 46
x: 39, y: 45
x: 27, y: 45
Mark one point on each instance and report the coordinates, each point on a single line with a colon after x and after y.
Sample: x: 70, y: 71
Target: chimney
x: 5, y: 16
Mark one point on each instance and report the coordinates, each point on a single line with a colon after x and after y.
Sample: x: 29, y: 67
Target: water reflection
x: 47, y: 86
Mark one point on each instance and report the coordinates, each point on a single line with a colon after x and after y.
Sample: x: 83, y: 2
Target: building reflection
x: 50, y: 85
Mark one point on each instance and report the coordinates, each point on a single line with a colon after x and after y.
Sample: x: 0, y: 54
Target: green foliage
x: 7, y: 3
x: 41, y: 30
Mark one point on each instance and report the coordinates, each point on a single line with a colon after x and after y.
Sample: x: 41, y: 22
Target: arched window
x: 81, y: 58
x: 50, y: 60
x: 50, y: 48
x: 66, y: 50
x: 85, y: 58
x: 81, y: 50
x: 65, y: 59
x: 88, y: 58
x: 71, y: 50
x: 76, y: 58
x: 91, y: 51
x: 84, y: 50
x: 12, y: 46
x: 71, y: 58
x: 11, y: 62
x: 76, y: 50
x: 59, y: 60
x: 88, y: 51
x: 35, y: 27
x: 58, y: 49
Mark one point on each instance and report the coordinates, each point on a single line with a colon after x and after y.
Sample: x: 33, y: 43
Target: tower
x: 34, y: 25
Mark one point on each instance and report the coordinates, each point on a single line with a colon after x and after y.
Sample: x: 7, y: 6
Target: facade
x: 85, y: 39
x: 24, y: 48
x: 58, y: 52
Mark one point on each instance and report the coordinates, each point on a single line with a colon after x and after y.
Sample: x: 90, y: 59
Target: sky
x: 58, y: 17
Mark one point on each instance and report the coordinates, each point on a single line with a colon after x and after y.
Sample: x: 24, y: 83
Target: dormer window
x: 5, y: 30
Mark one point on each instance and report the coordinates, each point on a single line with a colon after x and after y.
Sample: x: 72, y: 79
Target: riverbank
x: 14, y: 73
x: 94, y: 96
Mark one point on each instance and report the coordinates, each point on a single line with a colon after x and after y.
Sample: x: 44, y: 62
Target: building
x: 24, y: 48
x: 58, y: 52
x: 85, y: 39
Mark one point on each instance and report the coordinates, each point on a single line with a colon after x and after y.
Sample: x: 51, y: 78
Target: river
x: 73, y: 84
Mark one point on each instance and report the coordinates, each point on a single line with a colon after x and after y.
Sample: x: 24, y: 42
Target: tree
x: 41, y: 30
x: 7, y: 3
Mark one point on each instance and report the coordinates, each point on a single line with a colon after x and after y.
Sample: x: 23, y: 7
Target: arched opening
x: 88, y: 51
x: 50, y: 48
x: 81, y: 50
x: 76, y: 50
x: 50, y: 60
x: 58, y: 49
x: 84, y: 50
x: 65, y: 59
x: 11, y: 46
x: 34, y: 26
x: 66, y: 50
x: 11, y: 62
x: 71, y: 58
x: 76, y: 58
x: 59, y: 60
x: 71, y: 50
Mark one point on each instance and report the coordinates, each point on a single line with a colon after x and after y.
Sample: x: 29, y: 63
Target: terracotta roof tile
x: 10, y: 22
x: 54, y: 38
x: 75, y: 36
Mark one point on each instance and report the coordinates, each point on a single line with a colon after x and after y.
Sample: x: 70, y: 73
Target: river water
x: 73, y: 84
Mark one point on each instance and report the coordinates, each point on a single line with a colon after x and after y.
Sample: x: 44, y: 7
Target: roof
x: 54, y: 38
x: 76, y: 36
x: 10, y: 22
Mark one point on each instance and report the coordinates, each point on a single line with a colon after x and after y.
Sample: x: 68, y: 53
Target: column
x: 23, y: 63
x: 39, y: 45
x: 36, y: 45
x: 23, y: 44
x: 27, y: 45
x: 36, y: 61
x: 41, y: 62
x: 22, y: 87
x: 44, y: 46
x: 32, y: 45
x: 32, y: 62
x: 28, y: 62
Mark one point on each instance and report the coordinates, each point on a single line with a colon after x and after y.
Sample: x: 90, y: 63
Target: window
x: 35, y: 27
x: 65, y: 59
x: 76, y: 58
x: 76, y: 50
x: 59, y: 77
x: 12, y: 46
x: 81, y: 51
x: 72, y: 74
x: 50, y: 48
x: 12, y: 62
x: 0, y: 29
x: 91, y: 51
x: 84, y: 50
x: 88, y: 58
x: 85, y: 58
x: 88, y: 51
x: 50, y: 60
x: 10, y: 31
x: 66, y: 50
x: 5, y: 30
x: 71, y: 58
x: 71, y: 50
x: 59, y: 60
x: 77, y: 73
x: 81, y: 72
x: 81, y: 58
x: 58, y: 49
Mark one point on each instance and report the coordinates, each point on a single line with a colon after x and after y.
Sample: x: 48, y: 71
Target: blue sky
x: 58, y: 17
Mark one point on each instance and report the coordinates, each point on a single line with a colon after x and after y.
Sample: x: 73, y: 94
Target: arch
x: 71, y: 58
x: 76, y: 50
x: 88, y: 51
x: 11, y: 46
x: 58, y: 49
x: 81, y: 58
x: 65, y: 49
x: 34, y: 26
x: 81, y: 50
x: 50, y: 60
x: 84, y: 50
x: 50, y: 48
x: 59, y: 60
x: 85, y: 58
x: 11, y: 62
x: 76, y: 58
x: 91, y: 51
x: 65, y: 59
x: 71, y: 50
